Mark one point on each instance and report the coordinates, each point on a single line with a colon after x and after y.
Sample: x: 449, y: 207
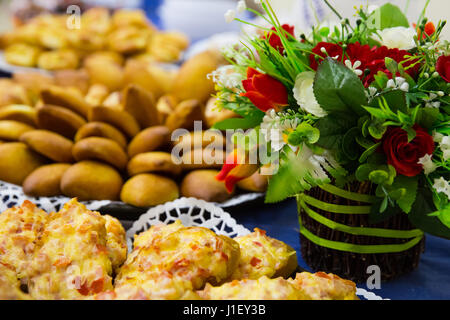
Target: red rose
x: 274, y: 39
x: 404, y: 155
x: 332, y: 50
x: 443, y: 67
x: 264, y: 91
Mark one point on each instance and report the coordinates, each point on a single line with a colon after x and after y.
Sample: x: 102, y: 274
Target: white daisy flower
x: 427, y: 163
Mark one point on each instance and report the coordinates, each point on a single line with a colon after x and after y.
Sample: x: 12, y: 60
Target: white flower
x: 276, y: 130
x: 230, y: 15
x: 227, y: 76
x: 428, y: 165
x: 304, y: 94
x: 398, y: 37
x: 437, y: 137
x: 429, y: 101
x: 241, y: 6
x: 444, y: 144
x: 399, y: 83
x: 354, y: 67
x: 442, y: 185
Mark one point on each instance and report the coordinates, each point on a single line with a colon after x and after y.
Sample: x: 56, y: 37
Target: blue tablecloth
x: 430, y: 281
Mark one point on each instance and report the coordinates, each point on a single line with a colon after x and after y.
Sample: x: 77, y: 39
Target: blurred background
x: 202, y: 18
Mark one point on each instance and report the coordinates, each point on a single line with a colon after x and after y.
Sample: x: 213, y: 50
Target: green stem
x: 333, y: 9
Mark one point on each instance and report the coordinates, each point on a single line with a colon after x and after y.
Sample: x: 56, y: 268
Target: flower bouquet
x: 353, y: 120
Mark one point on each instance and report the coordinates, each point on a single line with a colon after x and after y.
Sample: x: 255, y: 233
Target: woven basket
x: 336, y: 236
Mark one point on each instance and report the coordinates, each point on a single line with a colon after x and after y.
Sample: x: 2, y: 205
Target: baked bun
x: 45, y: 181
x: 153, y: 162
x: 12, y: 130
x: 91, y: 180
x: 50, y: 144
x: 101, y: 129
x: 20, y: 113
x: 60, y: 120
x: 202, y: 184
x: 201, y: 139
x: 17, y: 161
x: 67, y: 98
x: 118, y: 118
x: 184, y: 115
x: 103, y: 149
x: 148, y: 140
x: 141, y: 105
x: 209, y: 159
x: 145, y: 190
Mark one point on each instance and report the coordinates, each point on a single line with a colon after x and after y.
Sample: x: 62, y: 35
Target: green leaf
x: 376, y: 129
x: 443, y: 215
x: 391, y: 65
x: 338, y: 89
x: 410, y: 184
x: 304, y: 133
x: 368, y: 152
x: 384, y: 205
x: 363, y: 171
x: 395, y: 99
x: 349, y: 145
x: 378, y: 176
x: 237, y: 123
x: 376, y: 216
x: 427, y: 117
x: 332, y: 130
x: 420, y: 214
x: 389, y: 16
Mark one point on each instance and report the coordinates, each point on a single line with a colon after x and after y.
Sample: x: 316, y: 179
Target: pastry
x: 141, y: 74
x: 141, y: 105
x: 17, y: 161
x: 165, y: 106
x: 60, y: 120
x: 145, y: 190
x: 103, y: 149
x: 20, y: 113
x: 101, y: 129
x: 148, y: 140
x: 62, y: 97
x: 96, y: 94
x: 116, y: 242
x: 200, y: 139
x: 201, y: 159
x: 22, y: 54
x: 91, y: 180
x: 49, y: 144
x: 12, y: 130
x: 201, y: 184
x: 58, y: 60
x: 118, y: 118
x: 45, y: 181
x: 184, y: 115
x: 159, y: 162
x: 105, y: 72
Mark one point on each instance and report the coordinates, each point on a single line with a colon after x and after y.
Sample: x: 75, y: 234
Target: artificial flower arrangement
x: 359, y: 111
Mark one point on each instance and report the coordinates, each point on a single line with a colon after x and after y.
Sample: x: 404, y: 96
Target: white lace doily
x: 194, y: 212
x: 12, y: 195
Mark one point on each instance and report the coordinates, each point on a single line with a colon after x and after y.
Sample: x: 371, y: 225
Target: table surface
x: 431, y: 280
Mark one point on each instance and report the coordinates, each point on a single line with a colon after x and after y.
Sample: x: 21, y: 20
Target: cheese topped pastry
x: 116, y: 242
x: 264, y: 256
x: 72, y: 261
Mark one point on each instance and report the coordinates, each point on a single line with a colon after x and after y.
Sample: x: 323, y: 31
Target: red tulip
x: 236, y: 168
x: 264, y: 91
x: 443, y: 67
x: 430, y: 29
x: 275, y: 40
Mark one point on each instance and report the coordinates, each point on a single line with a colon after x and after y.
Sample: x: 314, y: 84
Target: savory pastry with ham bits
x: 72, y: 261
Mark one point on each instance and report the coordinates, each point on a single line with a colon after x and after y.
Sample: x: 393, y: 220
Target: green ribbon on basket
x: 304, y: 200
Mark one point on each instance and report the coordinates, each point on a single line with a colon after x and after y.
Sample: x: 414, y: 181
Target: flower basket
x: 336, y: 235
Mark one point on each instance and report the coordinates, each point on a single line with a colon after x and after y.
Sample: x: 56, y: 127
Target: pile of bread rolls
x: 106, y: 136
x: 57, y: 42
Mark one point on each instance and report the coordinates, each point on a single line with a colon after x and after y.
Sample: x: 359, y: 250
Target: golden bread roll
x: 128, y: 40
x: 50, y: 144
x: 113, y: 100
x: 12, y: 93
x: 201, y: 139
x: 141, y: 105
x: 141, y: 74
x: 184, y: 115
x: 167, y: 46
x: 21, y: 54
x: 165, y: 106
x: 73, y: 79
x: 45, y: 181
x: 130, y: 17
x: 91, y: 180
x: 106, y: 72
x: 60, y: 120
x: 20, y: 113
x: 96, y: 94
x: 85, y: 41
x: 62, y: 97
x: 58, y: 60
x: 118, y: 118
x: 101, y: 129
x: 12, y: 130
x: 96, y: 20
x: 109, y: 56
x: 148, y: 140
x: 214, y: 114
x: 159, y: 162
x: 166, y: 76
x: 202, y: 184
x: 33, y: 82
x: 146, y: 189
x: 103, y: 149
x: 255, y: 183
x: 202, y: 159
x: 192, y: 81
x: 17, y: 161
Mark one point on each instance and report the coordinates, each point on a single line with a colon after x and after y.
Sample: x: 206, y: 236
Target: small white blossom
x: 323, y: 50
x: 304, y: 94
x: 230, y: 15
x: 371, y: 92
x: 427, y: 163
x: 398, y: 83
x: 442, y: 185
x: 429, y: 101
x: 405, y: 87
x: 241, y: 6
x: 444, y: 145
x: 227, y: 76
x: 276, y: 130
x: 354, y: 67
x: 437, y: 137
x: 390, y: 84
